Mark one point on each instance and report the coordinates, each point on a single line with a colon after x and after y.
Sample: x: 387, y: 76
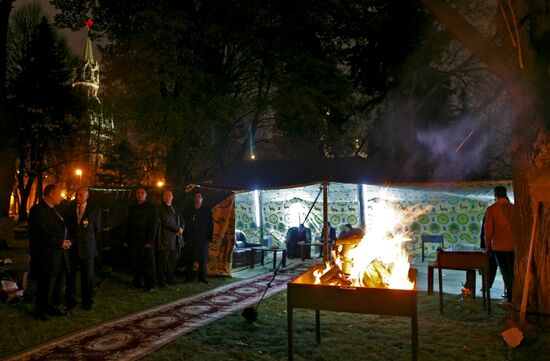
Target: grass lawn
x: 465, y: 332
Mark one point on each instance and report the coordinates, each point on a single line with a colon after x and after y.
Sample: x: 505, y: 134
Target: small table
x: 305, y: 245
x: 274, y: 250
x: 466, y: 261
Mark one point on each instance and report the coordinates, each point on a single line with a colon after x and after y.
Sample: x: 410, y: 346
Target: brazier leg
x: 318, y: 325
x: 414, y: 338
x: 289, y: 316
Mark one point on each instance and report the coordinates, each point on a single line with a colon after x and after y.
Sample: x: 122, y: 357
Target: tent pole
x: 360, y: 196
x: 262, y: 222
x: 325, y: 221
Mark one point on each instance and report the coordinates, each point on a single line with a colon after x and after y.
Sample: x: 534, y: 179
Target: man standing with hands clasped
x: 499, y: 237
x: 141, y: 229
x: 169, y: 240
x: 48, y: 249
x: 83, y: 226
x: 198, y: 234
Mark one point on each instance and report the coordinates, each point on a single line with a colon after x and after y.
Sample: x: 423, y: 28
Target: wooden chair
x: 428, y: 238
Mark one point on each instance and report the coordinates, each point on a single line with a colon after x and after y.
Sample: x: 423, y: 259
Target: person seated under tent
x: 242, y: 241
x: 350, y: 232
x: 295, y: 235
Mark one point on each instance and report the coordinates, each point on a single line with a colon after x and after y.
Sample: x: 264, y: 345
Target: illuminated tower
x: 86, y: 77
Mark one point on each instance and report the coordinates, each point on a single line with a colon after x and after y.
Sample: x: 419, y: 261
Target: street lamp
x: 78, y: 172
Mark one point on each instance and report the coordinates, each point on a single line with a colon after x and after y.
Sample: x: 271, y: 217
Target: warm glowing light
x: 380, y: 258
x: 160, y: 184
x: 63, y: 194
x: 253, y: 157
x: 297, y: 212
x: 78, y: 172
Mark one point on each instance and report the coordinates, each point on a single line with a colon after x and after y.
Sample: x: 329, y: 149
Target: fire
x: 378, y: 259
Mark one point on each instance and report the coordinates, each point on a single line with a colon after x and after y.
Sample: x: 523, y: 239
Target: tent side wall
x: 455, y: 212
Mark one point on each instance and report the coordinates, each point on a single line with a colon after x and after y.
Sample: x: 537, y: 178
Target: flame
x: 380, y: 258
x: 319, y: 273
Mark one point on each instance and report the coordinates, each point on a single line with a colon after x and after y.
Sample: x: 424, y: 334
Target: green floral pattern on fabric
x: 454, y: 212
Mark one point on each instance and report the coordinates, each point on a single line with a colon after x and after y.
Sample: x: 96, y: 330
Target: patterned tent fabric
x: 221, y: 248
x: 452, y: 210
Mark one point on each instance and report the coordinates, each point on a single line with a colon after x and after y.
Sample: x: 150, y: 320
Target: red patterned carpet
x: 136, y: 335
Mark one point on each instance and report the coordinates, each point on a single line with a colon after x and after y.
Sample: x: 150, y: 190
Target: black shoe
x: 56, y: 312
x: 39, y: 316
x: 70, y: 305
x: 203, y: 280
x: 87, y: 306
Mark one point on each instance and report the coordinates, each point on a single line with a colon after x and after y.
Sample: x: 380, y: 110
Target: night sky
x: 75, y: 39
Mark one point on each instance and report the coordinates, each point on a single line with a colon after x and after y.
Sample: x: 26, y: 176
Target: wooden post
x: 525, y: 296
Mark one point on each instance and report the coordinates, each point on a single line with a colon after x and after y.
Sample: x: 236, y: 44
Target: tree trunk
x: 7, y: 151
x: 7, y: 170
x: 24, y: 192
x: 528, y: 126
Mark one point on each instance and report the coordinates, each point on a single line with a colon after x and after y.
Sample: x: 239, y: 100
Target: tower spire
x: 88, y: 76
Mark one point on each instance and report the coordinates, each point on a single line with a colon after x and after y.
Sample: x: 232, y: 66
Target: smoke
x: 435, y: 142
x: 454, y: 152
x: 449, y: 119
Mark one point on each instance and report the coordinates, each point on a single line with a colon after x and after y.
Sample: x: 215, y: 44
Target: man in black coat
x: 141, y: 230
x: 169, y: 241
x: 83, y: 224
x: 48, y: 249
x: 199, y: 230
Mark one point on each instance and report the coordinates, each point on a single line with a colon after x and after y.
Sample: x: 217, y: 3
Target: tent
x: 454, y: 210
x: 273, y: 195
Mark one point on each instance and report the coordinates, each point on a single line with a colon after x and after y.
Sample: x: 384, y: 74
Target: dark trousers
x: 492, y: 268
x: 196, y: 252
x: 505, y: 261
x: 166, y: 265
x: 47, y: 292
x: 86, y: 268
x: 142, y: 263
x: 48, y: 288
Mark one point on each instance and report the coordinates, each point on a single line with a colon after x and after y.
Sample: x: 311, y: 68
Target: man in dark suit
x: 169, y: 241
x: 199, y: 230
x: 141, y: 230
x: 83, y: 225
x: 48, y: 249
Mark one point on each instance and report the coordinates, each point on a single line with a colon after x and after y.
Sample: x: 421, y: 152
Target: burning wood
x: 339, y: 297
x: 375, y: 275
x: 329, y: 275
x: 378, y: 259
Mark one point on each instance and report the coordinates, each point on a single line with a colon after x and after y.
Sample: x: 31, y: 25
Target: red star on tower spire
x: 89, y: 23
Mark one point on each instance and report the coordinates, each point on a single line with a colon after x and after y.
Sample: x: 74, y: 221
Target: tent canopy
x: 276, y: 174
